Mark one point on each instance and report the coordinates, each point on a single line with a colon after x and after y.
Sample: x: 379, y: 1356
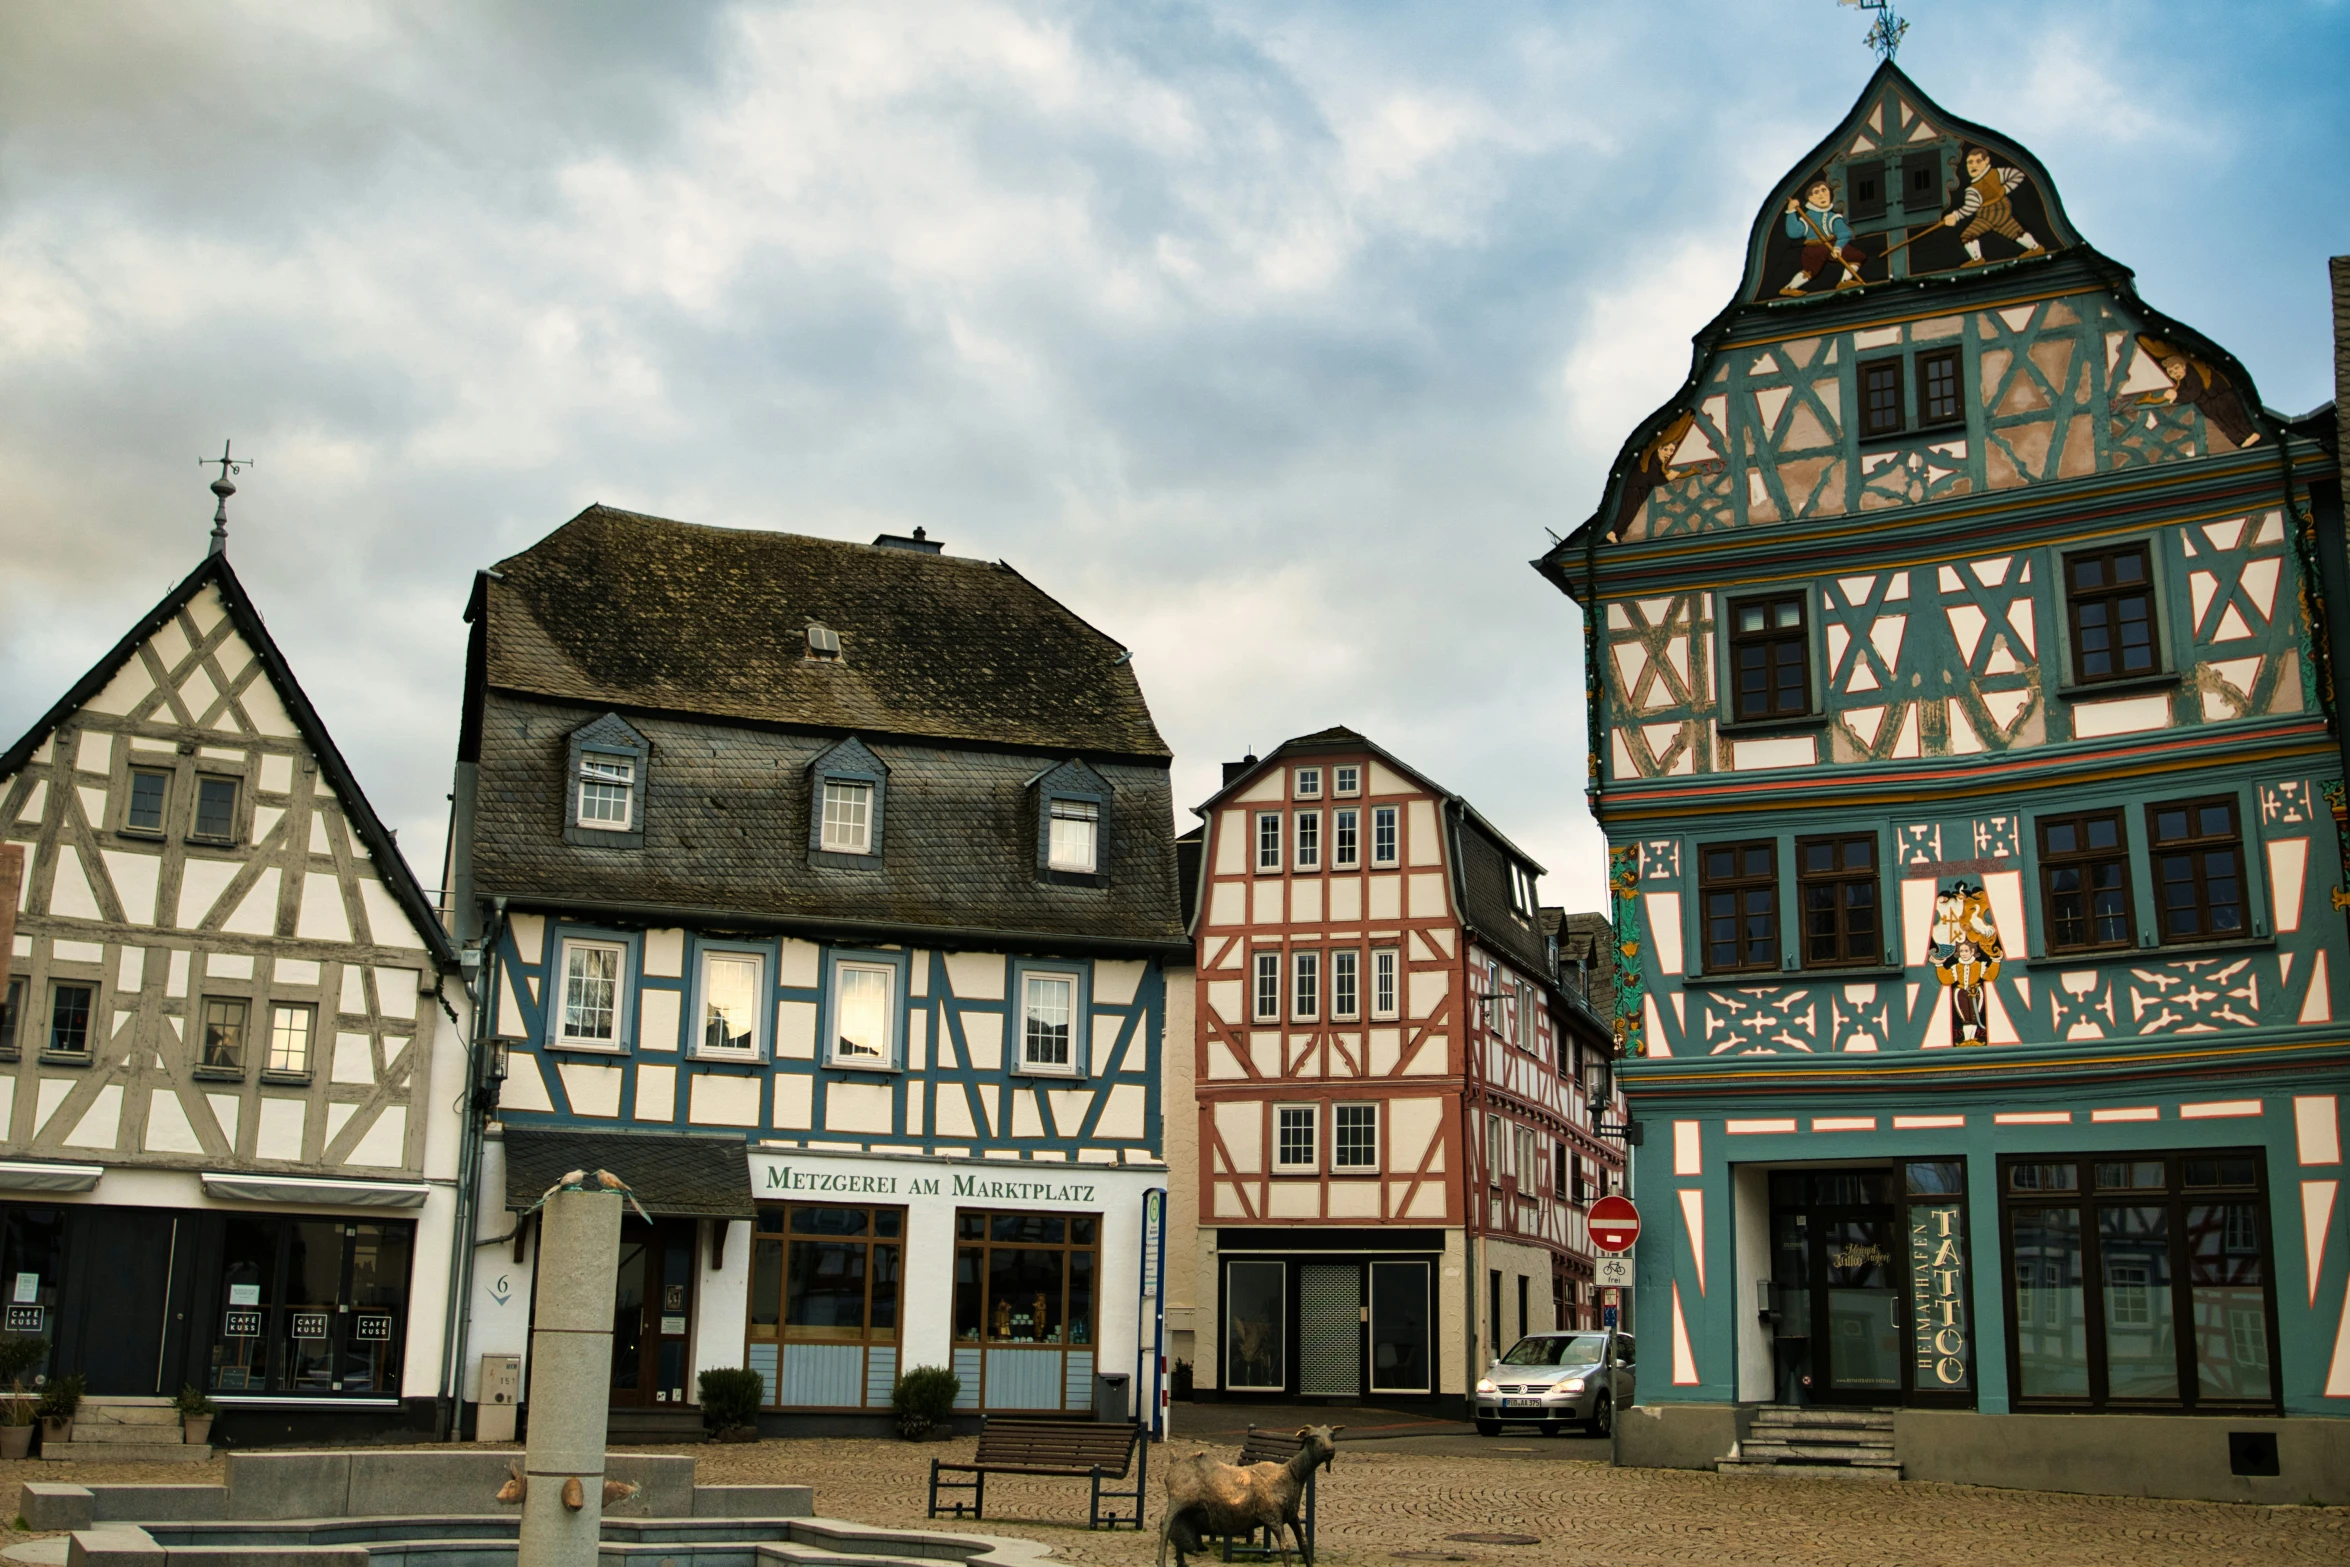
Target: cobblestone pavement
x: 1398, y: 1497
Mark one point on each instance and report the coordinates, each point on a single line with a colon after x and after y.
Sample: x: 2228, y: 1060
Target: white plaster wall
x: 722, y: 1309
x: 500, y: 1303
x: 1179, y: 1114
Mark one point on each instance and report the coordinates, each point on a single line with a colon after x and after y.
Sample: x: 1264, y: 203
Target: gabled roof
x: 623, y: 610
x: 216, y: 572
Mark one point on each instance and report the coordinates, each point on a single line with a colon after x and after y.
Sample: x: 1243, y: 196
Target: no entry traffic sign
x: 1615, y: 1224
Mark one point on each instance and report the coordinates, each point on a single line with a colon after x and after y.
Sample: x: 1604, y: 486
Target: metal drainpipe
x: 469, y: 1183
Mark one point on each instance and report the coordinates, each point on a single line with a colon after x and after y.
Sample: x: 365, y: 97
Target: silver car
x: 1553, y: 1379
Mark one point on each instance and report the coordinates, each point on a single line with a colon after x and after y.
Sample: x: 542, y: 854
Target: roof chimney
x: 1240, y: 768
x: 920, y: 543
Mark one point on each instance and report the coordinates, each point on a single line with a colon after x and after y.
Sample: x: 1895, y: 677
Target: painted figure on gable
x: 1986, y: 205
x: 2197, y: 384
x: 1654, y: 470
x: 1965, y: 951
x: 1826, y: 238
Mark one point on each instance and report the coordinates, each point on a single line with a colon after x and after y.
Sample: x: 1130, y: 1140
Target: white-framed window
x: 1048, y: 1021
x: 1522, y: 895
x: 595, y: 994
x: 1529, y: 999
x: 1354, y: 1137
x: 1383, y: 835
x: 607, y: 792
x: 1309, y: 840
x: 1309, y: 783
x: 1383, y: 982
x: 1346, y: 984
x: 1497, y: 1151
x: 1267, y: 1007
x: 1346, y: 838
x: 1346, y: 781
x: 291, y: 1028
x: 1269, y: 841
x: 1293, y: 1137
x: 864, y: 1013
x: 848, y: 817
x: 1525, y: 1161
x: 731, y: 1003
x: 1305, y: 988
x: 1075, y: 836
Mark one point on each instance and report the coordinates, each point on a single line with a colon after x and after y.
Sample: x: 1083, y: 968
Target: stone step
x: 1782, y: 1414
x: 156, y: 1414
x: 1807, y: 1471
x: 124, y: 1452
x: 1850, y: 1435
x: 1813, y: 1452
x: 109, y: 1431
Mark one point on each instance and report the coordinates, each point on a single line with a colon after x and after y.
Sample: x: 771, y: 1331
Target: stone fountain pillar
x: 570, y: 1379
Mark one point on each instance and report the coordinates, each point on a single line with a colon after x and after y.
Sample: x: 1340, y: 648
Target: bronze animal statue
x: 1207, y: 1497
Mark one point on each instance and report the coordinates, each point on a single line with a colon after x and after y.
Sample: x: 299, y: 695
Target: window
x: 223, y: 1044
x: 310, y: 1306
x: 2140, y: 1281
x: 11, y: 1009
x: 1836, y: 880
x: 1345, y: 839
x: 291, y: 1028
x: 1354, y: 1138
x: 591, y: 994
x: 216, y: 808
x: 1345, y: 984
x: 150, y: 793
x: 1938, y: 388
x: 732, y: 1003
x: 1025, y: 1278
x: 2085, y: 881
x: 1255, y: 1325
x: 2198, y: 869
x: 2109, y: 598
x: 1864, y: 184
x: 864, y: 1014
x: 1770, y: 657
x: 1268, y: 987
x: 1048, y: 1011
x: 1383, y: 846
x: 824, y: 1276
x: 1522, y: 898
x: 1524, y: 1164
x: 1346, y: 780
x: 1497, y: 1151
x: 1740, y: 886
x: 1293, y: 1137
x: 1309, y: 840
x: 848, y: 817
x: 1383, y: 982
x: 607, y: 792
x: 1309, y: 783
x: 1880, y: 398
x: 1075, y: 829
x: 1269, y: 841
x: 69, y: 1018
x: 1305, y: 991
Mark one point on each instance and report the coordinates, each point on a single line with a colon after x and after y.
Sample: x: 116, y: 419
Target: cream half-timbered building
x: 228, y: 1060
x: 1395, y: 1143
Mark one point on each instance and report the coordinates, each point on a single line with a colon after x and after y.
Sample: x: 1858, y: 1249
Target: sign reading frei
x: 1614, y: 1270
x: 1615, y: 1224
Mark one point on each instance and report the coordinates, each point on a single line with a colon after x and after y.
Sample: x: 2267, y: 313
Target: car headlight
x: 1485, y: 1385
x: 1570, y: 1385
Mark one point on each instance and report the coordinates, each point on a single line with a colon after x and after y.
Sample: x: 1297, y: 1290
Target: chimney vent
x: 920, y: 542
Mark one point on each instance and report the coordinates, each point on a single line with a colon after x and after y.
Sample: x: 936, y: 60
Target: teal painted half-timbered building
x: 823, y: 892
x: 1963, y: 749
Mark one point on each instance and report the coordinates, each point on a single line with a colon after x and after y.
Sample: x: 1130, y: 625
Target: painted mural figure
x: 1965, y: 951
x: 2195, y: 384
x: 1826, y: 238
x: 1985, y: 208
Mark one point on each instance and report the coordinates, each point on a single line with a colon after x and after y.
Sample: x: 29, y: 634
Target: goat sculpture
x: 1205, y: 1497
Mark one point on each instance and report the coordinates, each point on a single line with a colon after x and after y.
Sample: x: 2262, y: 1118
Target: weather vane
x: 224, y: 489
x: 1885, y: 34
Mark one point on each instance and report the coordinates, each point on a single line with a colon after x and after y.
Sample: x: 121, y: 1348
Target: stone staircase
x: 1855, y: 1444
x: 126, y: 1431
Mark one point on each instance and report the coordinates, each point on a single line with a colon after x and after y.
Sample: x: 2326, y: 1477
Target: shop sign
x: 28, y: 1289
x: 310, y: 1324
x: 372, y: 1330
x: 1614, y: 1270
x: 1937, y: 1293
x: 24, y: 1319
x: 240, y: 1324
x: 244, y: 1294
x: 799, y: 1178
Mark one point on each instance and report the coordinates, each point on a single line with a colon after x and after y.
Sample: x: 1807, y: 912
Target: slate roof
x: 674, y: 1174
x: 933, y: 646
x: 1590, y: 938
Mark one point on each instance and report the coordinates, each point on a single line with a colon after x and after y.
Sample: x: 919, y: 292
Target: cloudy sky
x: 1270, y: 337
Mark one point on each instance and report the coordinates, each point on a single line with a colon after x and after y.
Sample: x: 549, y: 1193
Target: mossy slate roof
x: 625, y: 610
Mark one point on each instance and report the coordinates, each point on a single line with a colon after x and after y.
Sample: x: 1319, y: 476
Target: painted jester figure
x: 1985, y: 207
x: 1815, y: 224
x: 1965, y: 952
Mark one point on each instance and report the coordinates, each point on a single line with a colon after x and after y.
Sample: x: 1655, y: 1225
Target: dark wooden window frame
x: 1928, y: 417
x: 2195, y: 847
x: 1738, y: 885
x: 1876, y: 424
x: 2052, y: 861
x: 1771, y: 639
x: 2109, y: 596
x: 1836, y: 877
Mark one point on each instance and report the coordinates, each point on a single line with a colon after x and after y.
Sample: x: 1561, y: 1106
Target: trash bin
x: 1109, y: 1396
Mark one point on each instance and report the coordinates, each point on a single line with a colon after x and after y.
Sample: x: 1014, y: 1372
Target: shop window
x: 310, y: 1306
x: 32, y: 1260
x: 1255, y: 1323
x: 1836, y: 879
x: 2140, y: 1281
x: 2198, y: 869
x: 1025, y: 1278
x: 827, y: 1283
x: 1739, y: 883
x: 2085, y: 881
x: 1770, y: 662
x: 2109, y: 602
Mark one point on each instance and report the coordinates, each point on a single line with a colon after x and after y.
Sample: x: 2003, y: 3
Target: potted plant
x: 924, y: 1401
x: 196, y: 1412
x: 730, y: 1403
x: 19, y: 1353
x: 56, y: 1408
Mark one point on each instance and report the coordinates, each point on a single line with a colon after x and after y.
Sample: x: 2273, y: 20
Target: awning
x: 674, y: 1174
x: 314, y: 1192
x: 16, y: 1177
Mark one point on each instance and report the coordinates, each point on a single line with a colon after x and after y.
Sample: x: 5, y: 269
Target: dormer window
x: 609, y: 771
x: 1075, y: 835
x: 848, y: 817
x: 823, y: 641
x: 1073, y: 825
x: 848, y: 807
x: 607, y: 792
x: 1521, y: 892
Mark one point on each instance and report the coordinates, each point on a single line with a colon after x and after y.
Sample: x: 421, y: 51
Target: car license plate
x: 1521, y: 1403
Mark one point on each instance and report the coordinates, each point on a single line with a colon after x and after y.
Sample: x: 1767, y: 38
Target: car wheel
x: 1489, y: 1428
x: 1603, y: 1416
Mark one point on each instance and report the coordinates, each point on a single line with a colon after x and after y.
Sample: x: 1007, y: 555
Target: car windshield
x: 1578, y: 1349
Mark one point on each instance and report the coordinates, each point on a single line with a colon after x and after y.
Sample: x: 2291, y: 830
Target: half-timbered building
x: 1961, y: 742
x: 230, y: 1050
x: 1395, y: 1146
x: 825, y: 890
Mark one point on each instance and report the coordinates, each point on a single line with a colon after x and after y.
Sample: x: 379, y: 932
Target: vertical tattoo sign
x: 1937, y: 1296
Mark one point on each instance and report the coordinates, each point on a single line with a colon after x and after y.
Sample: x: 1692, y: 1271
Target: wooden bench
x: 1078, y: 1449
x: 1272, y: 1447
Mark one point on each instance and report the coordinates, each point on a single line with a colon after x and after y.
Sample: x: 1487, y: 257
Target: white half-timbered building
x: 228, y: 1059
